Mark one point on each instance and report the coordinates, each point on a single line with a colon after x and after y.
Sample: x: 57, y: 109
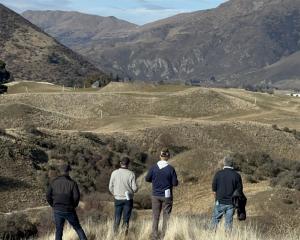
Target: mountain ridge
x: 224, y: 44
x: 31, y: 54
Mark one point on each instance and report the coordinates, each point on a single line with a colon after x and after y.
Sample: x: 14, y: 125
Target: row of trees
x: 259, y: 88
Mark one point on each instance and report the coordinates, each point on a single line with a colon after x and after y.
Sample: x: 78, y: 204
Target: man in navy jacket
x: 163, y: 178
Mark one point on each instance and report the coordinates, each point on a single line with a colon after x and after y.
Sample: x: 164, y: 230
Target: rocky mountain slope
x: 218, y: 46
x: 31, y: 54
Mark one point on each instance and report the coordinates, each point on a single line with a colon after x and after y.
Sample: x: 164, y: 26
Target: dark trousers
x: 160, y: 204
x: 122, y: 207
x: 72, y: 218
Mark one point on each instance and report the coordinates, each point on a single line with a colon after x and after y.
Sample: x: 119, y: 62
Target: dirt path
x: 25, y: 210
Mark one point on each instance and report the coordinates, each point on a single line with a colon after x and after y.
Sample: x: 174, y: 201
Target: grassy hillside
x: 93, y: 129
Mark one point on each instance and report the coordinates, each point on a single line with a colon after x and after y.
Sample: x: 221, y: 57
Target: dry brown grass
x: 180, y: 228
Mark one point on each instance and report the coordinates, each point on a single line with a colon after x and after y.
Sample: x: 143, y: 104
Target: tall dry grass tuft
x: 180, y: 228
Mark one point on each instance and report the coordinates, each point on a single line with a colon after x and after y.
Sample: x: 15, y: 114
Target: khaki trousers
x: 160, y: 204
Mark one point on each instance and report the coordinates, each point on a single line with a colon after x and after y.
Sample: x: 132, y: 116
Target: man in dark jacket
x: 225, y: 183
x: 63, y: 196
x: 163, y: 178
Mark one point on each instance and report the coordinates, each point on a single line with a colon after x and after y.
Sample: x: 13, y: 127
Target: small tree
x: 4, y: 77
x: 2, y: 65
x: 103, y: 80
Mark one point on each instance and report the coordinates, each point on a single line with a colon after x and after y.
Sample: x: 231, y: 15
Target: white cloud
x: 137, y: 11
x: 22, y: 5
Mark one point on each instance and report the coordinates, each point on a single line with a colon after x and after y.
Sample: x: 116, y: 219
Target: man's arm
x: 174, y: 178
x: 240, y: 184
x: 49, y: 195
x: 111, y: 184
x: 215, y: 184
x: 133, y: 184
x: 149, y: 175
x: 76, y: 195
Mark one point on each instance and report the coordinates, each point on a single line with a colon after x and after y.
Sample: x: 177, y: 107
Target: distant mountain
x: 76, y: 29
x: 31, y: 54
x: 239, y: 41
x: 285, y: 73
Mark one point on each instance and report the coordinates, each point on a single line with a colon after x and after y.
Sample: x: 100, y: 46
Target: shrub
x: 143, y: 201
x: 2, y: 132
x: 297, y: 135
x: 260, y: 166
x: 275, y: 127
x: 287, y: 201
x: 16, y: 227
x: 188, y: 178
x: 93, y: 137
x: 32, y: 129
x: 251, y: 179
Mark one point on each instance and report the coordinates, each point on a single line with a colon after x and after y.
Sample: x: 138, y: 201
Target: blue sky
x: 136, y: 11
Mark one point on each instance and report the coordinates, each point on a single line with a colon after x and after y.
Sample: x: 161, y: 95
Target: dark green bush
x: 260, y: 166
x: 251, y: 179
x: 32, y: 129
x: 2, y: 132
x: 297, y: 135
x: 286, y: 129
x: 143, y: 201
x: 93, y: 137
x: 16, y: 227
x: 188, y: 178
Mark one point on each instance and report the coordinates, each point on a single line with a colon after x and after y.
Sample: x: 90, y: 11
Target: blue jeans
x: 122, y: 207
x: 219, y: 211
x: 72, y: 218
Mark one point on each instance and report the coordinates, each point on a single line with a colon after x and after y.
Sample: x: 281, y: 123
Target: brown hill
x: 285, y: 73
x: 30, y: 54
x: 76, y: 29
x: 221, y: 44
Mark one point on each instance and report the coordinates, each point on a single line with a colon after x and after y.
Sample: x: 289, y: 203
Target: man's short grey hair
x: 228, y: 161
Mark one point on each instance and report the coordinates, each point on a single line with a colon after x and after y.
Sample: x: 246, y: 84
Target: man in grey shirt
x: 122, y: 186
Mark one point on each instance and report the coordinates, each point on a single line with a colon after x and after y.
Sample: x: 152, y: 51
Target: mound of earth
x: 187, y: 103
x: 18, y: 115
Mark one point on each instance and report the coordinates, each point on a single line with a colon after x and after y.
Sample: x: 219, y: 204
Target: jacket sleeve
x: 149, y: 175
x: 174, y: 179
x: 215, y: 183
x: 111, y: 184
x: 76, y: 195
x: 240, y: 184
x: 49, y: 195
x: 133, y: 184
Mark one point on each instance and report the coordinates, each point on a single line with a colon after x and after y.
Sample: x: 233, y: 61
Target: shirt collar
x: 227, y: 167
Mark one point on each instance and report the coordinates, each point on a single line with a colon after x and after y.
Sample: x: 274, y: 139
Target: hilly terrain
x: 239, y: 41
x: 76, y: 29
x: 42, y: 126
x: 31, y: 54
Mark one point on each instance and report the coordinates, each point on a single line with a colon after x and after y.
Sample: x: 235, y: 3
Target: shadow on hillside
x: 10, y: 183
